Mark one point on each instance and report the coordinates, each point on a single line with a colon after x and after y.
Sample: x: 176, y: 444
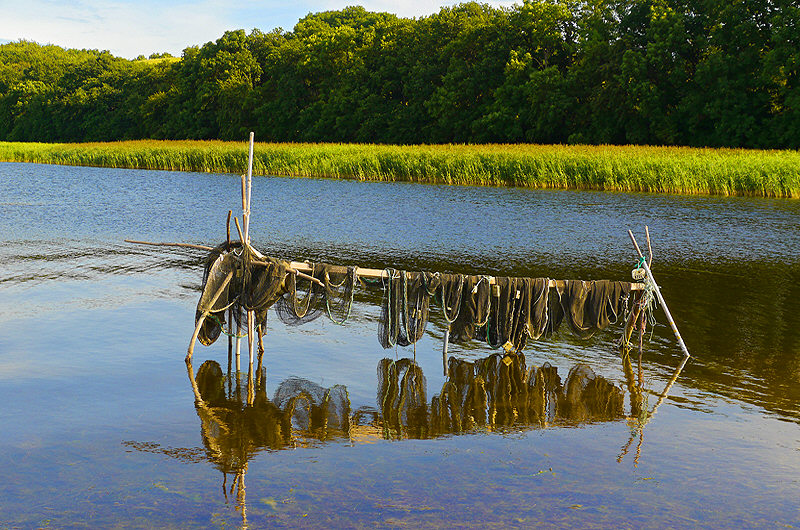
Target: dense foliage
x: 669, y: 72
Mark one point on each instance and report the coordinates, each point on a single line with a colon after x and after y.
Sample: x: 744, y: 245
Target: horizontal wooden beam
x: 304, y: 268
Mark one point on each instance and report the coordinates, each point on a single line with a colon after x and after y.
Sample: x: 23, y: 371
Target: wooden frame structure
x: 302, y: 269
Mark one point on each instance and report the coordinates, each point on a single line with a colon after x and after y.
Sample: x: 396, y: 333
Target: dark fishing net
x: 474, y: 311
x: 262, y: 285
x: 303, y: 301
x: 416, y: 298
x: 518, y: 312
x: 590, y: 306
x: 218, y: 267
x: 339, y: 290
x: 555, y: 310
x: 450, y: 293
x: 255, y: 283
x: 391, y: 306
x: 507, y: 314
x: 405, y: 308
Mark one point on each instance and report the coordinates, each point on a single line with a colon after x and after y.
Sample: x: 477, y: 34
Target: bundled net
x: 339, y: 291
x: 506, y: 312
x: 474, y: 310
x: 237, y: 280
x: 592, y: 306
x: 302, y: 302
x: 405, y: 308
x: 518, y: 312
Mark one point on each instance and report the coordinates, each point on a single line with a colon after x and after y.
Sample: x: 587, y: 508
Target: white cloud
x: 129, y: 28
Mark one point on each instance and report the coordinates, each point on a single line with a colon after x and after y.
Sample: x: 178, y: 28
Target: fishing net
x: 505, y: 311
x: 450, y: 291
x: 302, y: 302
x: 519, y: 311
x: 391, y: 306
x: 238, y: 280
x: 339, y: 291
x: 405, y: 308
x: 474, y: 310
x: 591, y: 306
x: 219, y: 293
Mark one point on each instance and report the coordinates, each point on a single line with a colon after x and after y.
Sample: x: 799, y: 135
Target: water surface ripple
x: 100, y: 425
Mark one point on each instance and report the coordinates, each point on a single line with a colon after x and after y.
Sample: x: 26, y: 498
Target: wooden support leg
x: 203, y: 316
x: 250, y: 338
x: 660, y: 298
x: 444, y: 350
x: 238, y: 348
x: 260, y: 330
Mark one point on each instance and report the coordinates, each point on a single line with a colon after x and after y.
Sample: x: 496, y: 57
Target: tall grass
x: 622, y: 168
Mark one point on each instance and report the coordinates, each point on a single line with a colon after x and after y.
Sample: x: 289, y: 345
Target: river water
x: 99, y: 427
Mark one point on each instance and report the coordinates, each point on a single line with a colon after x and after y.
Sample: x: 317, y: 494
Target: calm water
x: 99, y: 428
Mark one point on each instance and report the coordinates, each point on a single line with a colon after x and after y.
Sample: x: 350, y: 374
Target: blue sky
x: 129, y: 28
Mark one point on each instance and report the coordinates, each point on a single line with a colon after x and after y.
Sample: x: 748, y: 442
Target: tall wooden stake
x: 660, y: 298
x: 250, y: 316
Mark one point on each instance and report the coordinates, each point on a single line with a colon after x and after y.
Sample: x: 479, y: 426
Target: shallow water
x: 100, y: 429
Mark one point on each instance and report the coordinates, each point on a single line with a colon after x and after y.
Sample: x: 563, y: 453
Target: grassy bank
x: 621, y: 168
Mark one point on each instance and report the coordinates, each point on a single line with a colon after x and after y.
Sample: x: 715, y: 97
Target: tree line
x: 720, y: 73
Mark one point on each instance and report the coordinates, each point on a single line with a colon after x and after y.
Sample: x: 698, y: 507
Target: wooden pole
x: 230, y: 339
x: 238, y: 349
x: 249, y: 187
x: 205, y: 313
x: 444, y: 350
x: 228, y: 229
x: 244, y: 199
x: 302, y: 268
x: 660, y: 298
x: 186, y: 245
x: 246, y: 220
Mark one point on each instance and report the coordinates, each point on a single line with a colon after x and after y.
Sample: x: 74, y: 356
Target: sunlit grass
x: 622, y: 168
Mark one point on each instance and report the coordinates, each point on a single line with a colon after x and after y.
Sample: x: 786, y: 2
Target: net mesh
x: 506, y: 312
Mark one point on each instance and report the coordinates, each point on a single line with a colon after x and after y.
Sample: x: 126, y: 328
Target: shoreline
x: 666, y: 170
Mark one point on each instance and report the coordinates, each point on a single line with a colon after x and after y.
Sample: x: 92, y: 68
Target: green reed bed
x: 622, y: 168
